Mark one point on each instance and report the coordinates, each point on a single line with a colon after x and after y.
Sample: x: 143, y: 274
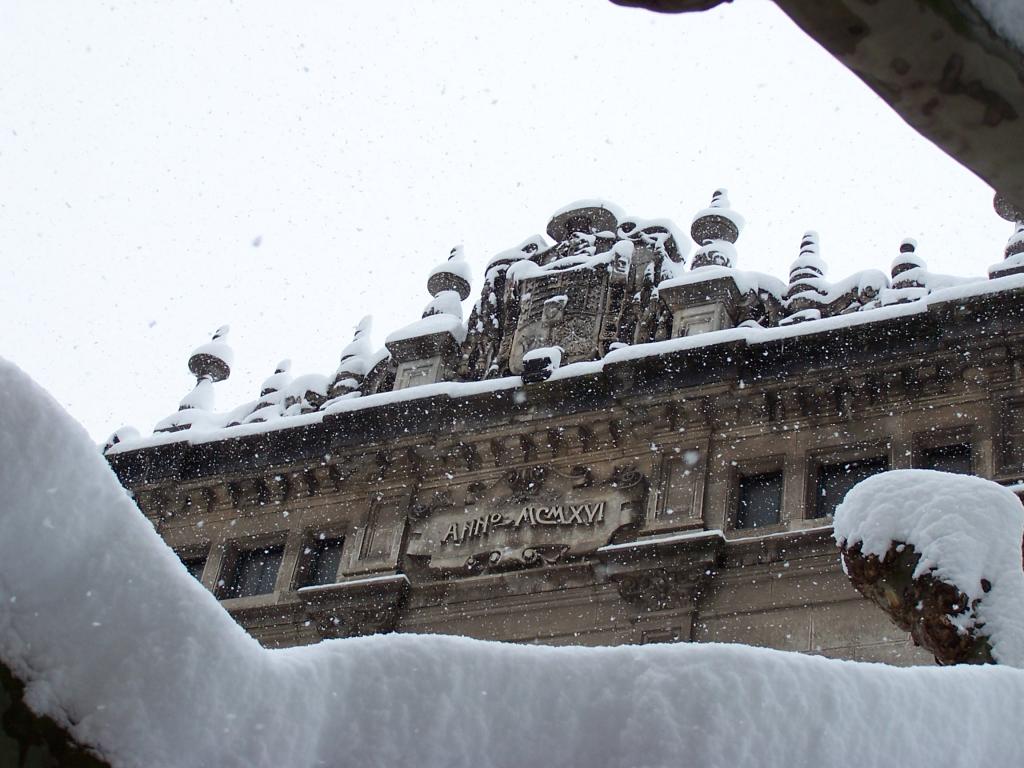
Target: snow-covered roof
x: 427, y: 326
x: 649, y: 252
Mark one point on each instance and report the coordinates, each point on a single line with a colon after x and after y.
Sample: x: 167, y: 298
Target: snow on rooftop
x: 136, y: 659
x: 645, y: 254
x: 745, y: 280
x: 213, y: 428
x: 427, y: 326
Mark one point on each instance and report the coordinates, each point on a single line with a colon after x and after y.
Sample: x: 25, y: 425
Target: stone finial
x: 1013, y: 263
x: 209, y: 363
x: 807, y: 292
x: 355, y: 360
x: 359, y: 347
x: 715, y: 229
x: 1015, y: 245
x: 808, y: 265
x: 586, y: 216
x: 278, y: 380
x: 717, y: 222
x: 907, y: 268
x: 213, y: 359
x: 452, y: 275
x: 120, y: 435
x: 449, y: 285
x: 714, y: 253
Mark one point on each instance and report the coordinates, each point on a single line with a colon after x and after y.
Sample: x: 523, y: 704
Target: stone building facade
x: 620, y: 445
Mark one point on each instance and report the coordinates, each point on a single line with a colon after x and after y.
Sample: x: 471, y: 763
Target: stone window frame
x: 662, y: 636
x: 1009, y: 439
x: 311, y: 535
x: 862, y: 451
x: 232, y: 548
x: 932, y: 439
x: 192, y: 553
x: 673, y: 454
x: 748, y: 468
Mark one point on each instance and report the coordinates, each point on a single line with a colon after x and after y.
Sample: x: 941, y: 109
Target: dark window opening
x: 836, y: 480
x: 195, y: 565
x: 323, y: 558
x: 760, y: 500
x: 948, y: 458
x: 672, y: 635
x: 254, y: 572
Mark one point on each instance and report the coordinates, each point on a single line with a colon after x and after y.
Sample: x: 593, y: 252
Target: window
x: 834, y: 481
x: 760, y: 500
x: 194, y: 565
x: 253, y: 572
x: 948, y: 458
x: 322, y: 558
x: 671, y: 635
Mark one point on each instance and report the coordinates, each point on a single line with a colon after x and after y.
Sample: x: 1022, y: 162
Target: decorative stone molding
x: 366, y: 606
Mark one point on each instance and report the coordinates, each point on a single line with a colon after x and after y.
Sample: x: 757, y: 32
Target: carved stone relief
x: 681, y: 490
x: 377, y: 543
x: 530, y: 516
x: 416, y: 372
x: 561, y: 309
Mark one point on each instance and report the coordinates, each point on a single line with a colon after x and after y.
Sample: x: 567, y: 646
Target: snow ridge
x: 118, y: 643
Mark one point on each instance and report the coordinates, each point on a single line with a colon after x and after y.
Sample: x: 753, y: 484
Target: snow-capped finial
x: 808, y: 264
x: 272, y: 393
x: 355, y: 361
x: 715, y: 229
x: 1014, y: 253
x: 360, y: 344
x: 717, y: 222
x: 807, y: 287
x: 452, y: 275
x: 278, y: 380
x: 213, y: 359
x: 908, y: 268
x: 121, y: 435
x: 209, y: 363
x: 584, y: 216
x: 449, y: 285
x: 1013, y: 263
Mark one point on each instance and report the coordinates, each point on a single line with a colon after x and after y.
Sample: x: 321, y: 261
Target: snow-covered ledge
x: 120, y: 645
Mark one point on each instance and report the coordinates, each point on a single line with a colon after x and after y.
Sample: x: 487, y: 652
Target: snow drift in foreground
x: 968, y: 533
x: 118, y: 643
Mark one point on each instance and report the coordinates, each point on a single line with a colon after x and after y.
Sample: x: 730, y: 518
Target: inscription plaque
x: 514, y: 522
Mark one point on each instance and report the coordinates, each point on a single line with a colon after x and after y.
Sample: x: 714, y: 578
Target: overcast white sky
x: 144, y: 147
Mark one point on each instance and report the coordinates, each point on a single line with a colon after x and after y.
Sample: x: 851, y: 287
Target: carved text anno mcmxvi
x: 560, y: 514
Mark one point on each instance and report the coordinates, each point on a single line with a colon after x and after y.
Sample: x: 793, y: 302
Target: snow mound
x: 120, y: 645
x: 428, y: 326
x: 967, y: 531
